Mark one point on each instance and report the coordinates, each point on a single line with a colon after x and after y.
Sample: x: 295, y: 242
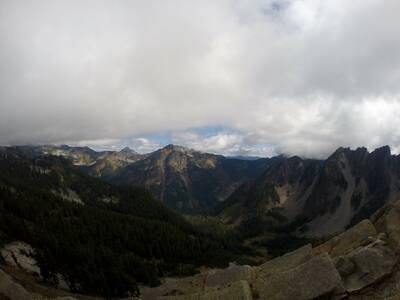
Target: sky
x: 235, y: 77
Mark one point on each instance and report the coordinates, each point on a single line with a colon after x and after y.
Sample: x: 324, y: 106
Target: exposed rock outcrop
x: 285, y: 262
x: 18, y: 254
x: 387, y: 220
x: 219, y: 279
x: 347, y: 240
x: 315, y: 278
x: 238, y: 290
x: 366, y: 265
x: 231, y: 274
x: 12, y: 290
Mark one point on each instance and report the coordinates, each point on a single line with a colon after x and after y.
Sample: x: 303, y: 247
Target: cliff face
x: 331, y: 195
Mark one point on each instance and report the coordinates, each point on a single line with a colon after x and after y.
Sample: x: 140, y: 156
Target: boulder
x: 175, y: 286
x: 348, y: 240
x: 366, y: 265
x: 231, y: 274
x: 396, y: 297
x: 12, y: 290
x: 18, y: 254
x: 315, y: 278
x: 198, y: 283
x: 285, y: 262
x: 392, y: 223
x: 238, y: 290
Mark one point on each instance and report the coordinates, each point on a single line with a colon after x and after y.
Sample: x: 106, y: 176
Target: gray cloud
x: 295, y: 76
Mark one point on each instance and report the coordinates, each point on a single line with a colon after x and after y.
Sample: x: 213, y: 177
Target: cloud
x: 291, y: 76
x: 226, y: 143
x: 140, y: 144
x: 143, y: 145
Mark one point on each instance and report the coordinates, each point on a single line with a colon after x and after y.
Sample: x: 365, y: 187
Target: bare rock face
x: 366, y: 265
x: 18, y: 254
x: 231, y: 274
x: 199, y: 283
x: 361, y: 256
x: 392, y: 223
x: 238, y: 290
x: 348, y: 240
x: 284, y: 262
x: 182, y: 286
x: 12, y: 290
x: 314, y: 278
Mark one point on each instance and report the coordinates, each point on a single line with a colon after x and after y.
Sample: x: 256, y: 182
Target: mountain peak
x: 127, y: 150
x: 173, y: 147
x: 384, y: 150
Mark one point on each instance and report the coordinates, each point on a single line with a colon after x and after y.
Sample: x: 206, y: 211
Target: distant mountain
x: 187, y: 180
x: 324, y: 196
x: 109, y: 163
x: 183, y: 179
x: 99, y: 164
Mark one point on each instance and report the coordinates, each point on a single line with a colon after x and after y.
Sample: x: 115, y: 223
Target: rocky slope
x: 327, y: 195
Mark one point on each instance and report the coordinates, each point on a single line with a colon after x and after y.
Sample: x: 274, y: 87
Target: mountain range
x: 320, y: 196
x: 183, y: 179
x: 326, y: 196
x: 112, y: 238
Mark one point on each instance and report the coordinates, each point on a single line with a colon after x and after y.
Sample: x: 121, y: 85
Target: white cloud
x: 143, y: 145
x: 229, y: 144
x: 139, y: 144
x: 300, y: 76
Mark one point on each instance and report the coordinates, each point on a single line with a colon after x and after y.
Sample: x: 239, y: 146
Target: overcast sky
x: 228, y: 76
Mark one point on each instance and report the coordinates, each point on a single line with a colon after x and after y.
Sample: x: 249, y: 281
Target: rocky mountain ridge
x: 321, y: 196
x: 183, y: 179
x: 328, y: 196
x: 188, y: 180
